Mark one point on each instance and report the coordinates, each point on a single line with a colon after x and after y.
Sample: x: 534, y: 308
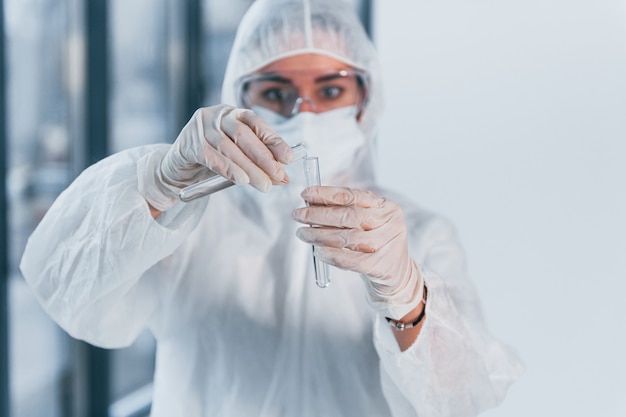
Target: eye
x: 275, y: 94
x: 331, y: 92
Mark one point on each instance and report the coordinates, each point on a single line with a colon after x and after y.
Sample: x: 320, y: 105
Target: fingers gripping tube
x: 218, y: 183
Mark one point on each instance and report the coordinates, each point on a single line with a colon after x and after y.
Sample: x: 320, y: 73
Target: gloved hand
x: 224, y: 140
x: 359, y: 231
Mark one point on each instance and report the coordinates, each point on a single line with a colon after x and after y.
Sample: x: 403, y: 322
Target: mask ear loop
x: 362, y: 82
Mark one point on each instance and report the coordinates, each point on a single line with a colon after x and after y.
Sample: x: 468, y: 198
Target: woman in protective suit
x: 226, y: 282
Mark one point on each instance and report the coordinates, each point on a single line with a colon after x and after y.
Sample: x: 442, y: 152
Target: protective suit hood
x: 275, y: 29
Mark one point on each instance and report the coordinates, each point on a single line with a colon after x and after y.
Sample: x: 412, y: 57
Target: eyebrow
x: 274, y: 77
x: 330, y: 77
x: 284, y: 80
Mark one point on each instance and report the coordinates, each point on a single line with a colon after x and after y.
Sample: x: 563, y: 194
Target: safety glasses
x: 290, y: 92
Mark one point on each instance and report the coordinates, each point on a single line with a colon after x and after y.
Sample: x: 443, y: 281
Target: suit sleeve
x: 93, y: 260
x: 456, y: 368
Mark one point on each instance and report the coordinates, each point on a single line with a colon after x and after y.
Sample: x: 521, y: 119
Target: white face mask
x: 333, y: 136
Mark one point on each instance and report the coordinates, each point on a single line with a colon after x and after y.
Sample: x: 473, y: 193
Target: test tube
x: 217, y: 183
x: 312, y: 175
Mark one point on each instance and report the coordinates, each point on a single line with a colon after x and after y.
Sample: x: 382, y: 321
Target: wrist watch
x: 402, y: 326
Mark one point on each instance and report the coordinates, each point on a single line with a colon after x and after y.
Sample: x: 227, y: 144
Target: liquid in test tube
x: 312, y: 175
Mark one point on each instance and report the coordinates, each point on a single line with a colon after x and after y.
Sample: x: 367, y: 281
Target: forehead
x: 306, y: 64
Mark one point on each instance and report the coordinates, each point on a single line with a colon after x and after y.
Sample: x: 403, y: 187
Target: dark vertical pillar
x: 4, y: 233
x: 97, y: 103
x: 193, y: 87
x: 365, y: 13
x: 96, y: 360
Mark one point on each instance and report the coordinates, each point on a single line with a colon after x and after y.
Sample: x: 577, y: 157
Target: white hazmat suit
x: 228, y: 290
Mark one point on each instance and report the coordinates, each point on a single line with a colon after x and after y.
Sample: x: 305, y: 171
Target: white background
x: 510, y: 119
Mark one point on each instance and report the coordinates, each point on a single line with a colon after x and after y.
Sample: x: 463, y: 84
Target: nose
x: 303, y: 104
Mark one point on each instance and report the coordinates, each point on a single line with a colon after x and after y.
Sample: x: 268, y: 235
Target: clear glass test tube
x: 312, y: 175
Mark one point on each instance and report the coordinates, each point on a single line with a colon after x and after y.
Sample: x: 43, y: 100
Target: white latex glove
x: 360, y: 231
x: 224, y: 140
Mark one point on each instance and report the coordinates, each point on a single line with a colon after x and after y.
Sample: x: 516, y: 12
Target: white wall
x: 510, y: 119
